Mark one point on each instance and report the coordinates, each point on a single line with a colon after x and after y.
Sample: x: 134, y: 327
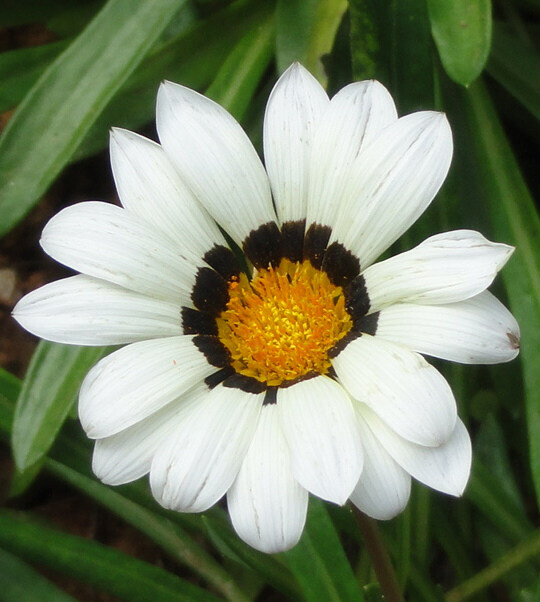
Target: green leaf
x: 86, y: 560
x: 305, y: 32
x: 392, y: 43
x: 170, y: 537
x: 241, y: 73
x: 192, y: 58
x: 20, y: 583
x: 497, y: 504
x: 21, y: 481
x: 48, y: 392
x: 20, y: 69
x: 462, y: 33
x: 319, y: 563
x: 523, y: 552
x: 491, y: 448
x: 267, y: 567
x: 511, y: 63
x: 59, y: 110
x: 366, y: 45
x: 515, y: 221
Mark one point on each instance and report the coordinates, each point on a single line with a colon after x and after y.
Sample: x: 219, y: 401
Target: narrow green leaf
x: 20, y: 69
x: 170, y: 537
x: 191, y: 58
x: 450, y: 538
x: 319, y: 563
x: 496, y: 504
x: 492, y: 449
x: 294, y: 21
x: 241, y: 73
x: 523, y: 552
x: 511, y: 63
x: 60, y: 109
x: 270, y: 568
x: 516, y: 222
x: 462, y: 33
x: 48, y: 392
x: 365, y: 41
x: 306, y: 31
x: 391, y: 42
x: 21, y: 481
x: 91, y: 562
x: 20, y: 583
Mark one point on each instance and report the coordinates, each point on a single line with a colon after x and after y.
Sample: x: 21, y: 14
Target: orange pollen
x: 281, y: 325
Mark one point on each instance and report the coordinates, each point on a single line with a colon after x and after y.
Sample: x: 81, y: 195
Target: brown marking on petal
x: 514, y: 340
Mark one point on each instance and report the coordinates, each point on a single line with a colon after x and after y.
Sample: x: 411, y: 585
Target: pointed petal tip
x: 118, y: 135
x: 296, y: 73
x: 171, y: 91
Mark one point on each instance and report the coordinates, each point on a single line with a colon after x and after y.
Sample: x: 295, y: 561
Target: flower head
x: 299, y: 366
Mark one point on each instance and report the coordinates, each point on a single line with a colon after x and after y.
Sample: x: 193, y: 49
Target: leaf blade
x: 319, y: 562
x: 60, y: 108
x: 114, y: 572
x: 306, y: 31
x: 18, y: 581
x: 511, y: 62
x: 462, y: 32
x: 47, y: 395
x: 515, y: 221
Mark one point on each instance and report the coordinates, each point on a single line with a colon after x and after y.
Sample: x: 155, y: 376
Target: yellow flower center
x: 280, y: 325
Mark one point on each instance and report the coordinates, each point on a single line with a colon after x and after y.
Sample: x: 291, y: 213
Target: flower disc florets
x: 280, y: 326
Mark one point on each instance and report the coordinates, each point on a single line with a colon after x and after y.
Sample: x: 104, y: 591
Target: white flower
x: 299, y: 370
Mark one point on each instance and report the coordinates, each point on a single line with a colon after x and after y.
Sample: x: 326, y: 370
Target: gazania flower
x: 276, y: 359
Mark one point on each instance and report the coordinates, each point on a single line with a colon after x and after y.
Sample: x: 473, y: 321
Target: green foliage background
x: 477, y: 62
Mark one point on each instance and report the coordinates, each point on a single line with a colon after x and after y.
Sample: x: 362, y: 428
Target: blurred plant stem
x: 380, y: 559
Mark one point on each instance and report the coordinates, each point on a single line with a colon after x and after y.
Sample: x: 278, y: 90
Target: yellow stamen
x: 281, y: 325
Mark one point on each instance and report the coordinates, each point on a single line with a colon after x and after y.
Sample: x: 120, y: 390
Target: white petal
x: 127, y: 456
x: 384, y: 487
x: 393, y: 181
x: 149, y: 186
x: 215, y: 159
x: 107, y: 242
x: 292, y: 115
x: 445, y: 268
x: 138, y: 380
x: 320, y: 427
x: 479, y: 330
x: 267, y: 505
x: 85, y: 311
x: 401, y: 387
x: 356, y: 114
x: 445, y: 468
x: 197, y: 467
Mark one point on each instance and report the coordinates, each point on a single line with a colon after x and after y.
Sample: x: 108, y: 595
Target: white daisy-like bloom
x: 298, y: 368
